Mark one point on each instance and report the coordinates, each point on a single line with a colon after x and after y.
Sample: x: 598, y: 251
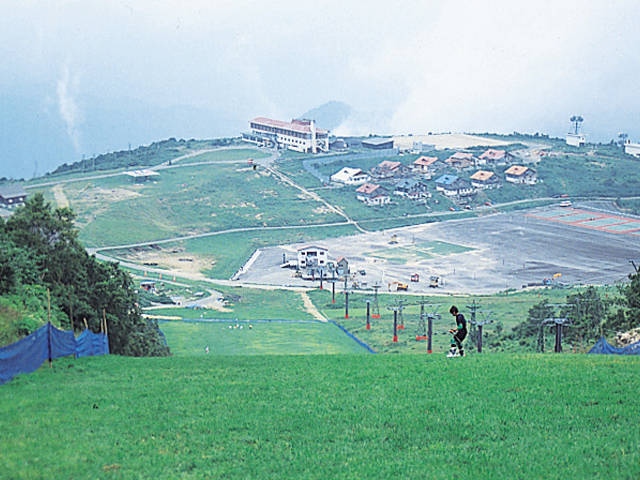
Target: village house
x: 425, y: 166
x: 12, y: 195
x: 350, y: 176
x: 388, y: 169
x: 312, y: 257
x: 520, y: 174
x: 142, y: 176
x: 495, y: 157
x: 342, y: 267
x: 454, y: 186
x: 413, y: 189
x: 485, y: 180
x: 372, y: 194
x: 460, y: 160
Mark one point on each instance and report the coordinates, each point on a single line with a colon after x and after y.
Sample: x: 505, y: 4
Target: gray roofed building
x: 12, y: 194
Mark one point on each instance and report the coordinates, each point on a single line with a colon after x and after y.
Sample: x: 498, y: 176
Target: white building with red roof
x: 520, y: 174
x: 425, y: 166
x: 299, y: 135
x: 372, y: 194
x: 495, y: 157
x: 485, y: 180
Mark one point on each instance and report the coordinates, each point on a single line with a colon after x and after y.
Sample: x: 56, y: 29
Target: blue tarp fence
x: 48, y: 343
x: 603, y: 347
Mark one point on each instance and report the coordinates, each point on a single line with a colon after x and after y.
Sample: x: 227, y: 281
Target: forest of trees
x: 47, y: 275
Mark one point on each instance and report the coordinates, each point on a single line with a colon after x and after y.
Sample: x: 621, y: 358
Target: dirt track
x: 503, y: 251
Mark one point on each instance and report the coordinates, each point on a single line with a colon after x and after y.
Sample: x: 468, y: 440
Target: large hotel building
x: 299, y: 135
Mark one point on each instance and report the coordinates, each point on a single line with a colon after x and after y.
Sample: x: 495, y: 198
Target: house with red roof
x: 425, y: 166
x: 495, y: 157
x: 389, y: 169
x: 372, y: 194
x: 485, y: 180
x: 521, y: 175
x: 461, y: 160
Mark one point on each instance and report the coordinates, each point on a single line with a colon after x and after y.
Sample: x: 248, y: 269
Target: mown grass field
x: 504, y: 311
x: 261, y: 337
x: 324, y: 416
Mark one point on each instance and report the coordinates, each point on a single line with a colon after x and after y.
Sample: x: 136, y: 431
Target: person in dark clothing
x: 458, y: 334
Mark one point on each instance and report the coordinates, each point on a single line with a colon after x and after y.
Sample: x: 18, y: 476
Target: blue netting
x: 90, y: 344
x: 603, y: 347
x: 62, y: 343
x: 48, y: 343
x: 24, y: 356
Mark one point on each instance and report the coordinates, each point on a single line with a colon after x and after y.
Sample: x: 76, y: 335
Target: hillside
x: 326, y: 416
x: 213, y: 204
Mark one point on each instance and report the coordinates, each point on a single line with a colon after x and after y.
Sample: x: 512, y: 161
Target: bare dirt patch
x: 174, y: 260
x: 58, y: 194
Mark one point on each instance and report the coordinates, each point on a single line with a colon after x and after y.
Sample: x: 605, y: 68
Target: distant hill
x: 329, y: 115
x: 37, y: 140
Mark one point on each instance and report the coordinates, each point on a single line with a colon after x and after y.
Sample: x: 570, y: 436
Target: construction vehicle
x: 415, y: 277
x: 398, y: 287
x: 434, y: 281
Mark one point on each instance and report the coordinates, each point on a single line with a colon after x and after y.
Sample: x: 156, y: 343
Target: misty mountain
x: 37, y: 139
x: 329, y: 115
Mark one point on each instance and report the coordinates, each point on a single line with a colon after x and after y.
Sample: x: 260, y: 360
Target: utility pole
x: 346, y: 304
x: 480, y: 326
x: 559, y: 324
x: 376, y: 306
x: 368, y: 314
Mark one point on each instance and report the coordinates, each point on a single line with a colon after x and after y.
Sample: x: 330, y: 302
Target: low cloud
x: 68, y: 107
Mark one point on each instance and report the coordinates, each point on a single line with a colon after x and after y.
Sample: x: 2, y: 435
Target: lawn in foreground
x: 324, y: 416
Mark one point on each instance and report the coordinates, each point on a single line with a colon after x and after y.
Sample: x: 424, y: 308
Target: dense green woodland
x: 46, y: 274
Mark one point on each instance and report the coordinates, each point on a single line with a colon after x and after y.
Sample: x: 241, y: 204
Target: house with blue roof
x: 454, y: 186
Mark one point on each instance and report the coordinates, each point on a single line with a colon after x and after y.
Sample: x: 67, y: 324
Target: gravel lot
x: 502, y: 251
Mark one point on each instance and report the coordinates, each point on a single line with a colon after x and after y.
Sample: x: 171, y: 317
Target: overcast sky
x: 404, y: 66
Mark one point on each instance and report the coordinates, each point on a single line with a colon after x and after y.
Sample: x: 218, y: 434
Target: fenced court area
x: 605, y: 222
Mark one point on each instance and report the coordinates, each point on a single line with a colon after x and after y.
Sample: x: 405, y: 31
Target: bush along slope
x: 43, y: 264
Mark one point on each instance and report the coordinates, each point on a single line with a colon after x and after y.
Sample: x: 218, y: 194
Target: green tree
x: 530, y: 333
x: 587, y: 313
x: 627, y: 314
x: 45, y: 240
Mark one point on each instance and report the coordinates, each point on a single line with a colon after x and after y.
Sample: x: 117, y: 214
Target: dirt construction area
x: 488, y: 254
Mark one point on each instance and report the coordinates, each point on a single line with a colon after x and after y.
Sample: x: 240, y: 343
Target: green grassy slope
x: 328, y: 416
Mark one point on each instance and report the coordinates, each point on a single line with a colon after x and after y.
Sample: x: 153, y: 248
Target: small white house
x: 312, y: 257
x: 350, y: 176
